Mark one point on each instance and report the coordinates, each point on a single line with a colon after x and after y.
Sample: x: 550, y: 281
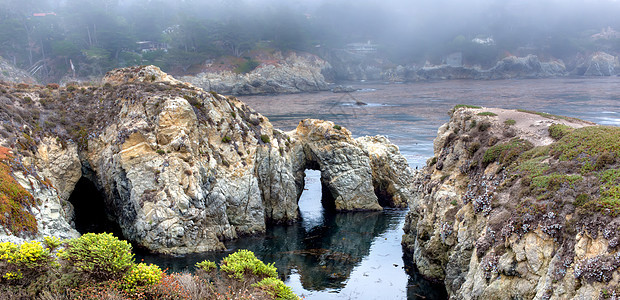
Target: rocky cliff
x: 10, y: 73
x: 180, y: 169
x: 291, y: 73
x: 352, y: 66
x: 597, y: 64
x: 519, y: 205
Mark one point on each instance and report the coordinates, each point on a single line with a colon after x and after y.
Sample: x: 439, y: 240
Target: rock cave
x: 90, y: 211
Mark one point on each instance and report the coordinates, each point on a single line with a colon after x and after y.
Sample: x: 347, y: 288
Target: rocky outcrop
x: 293, y: 73
x: 352, y: 66
x: 183, y: 170
x: 524, y: 67
x: 10, y: 73
x: 507, y: 68
x: 348, y: 65
x: 598, y: 64
x: 515, y: 206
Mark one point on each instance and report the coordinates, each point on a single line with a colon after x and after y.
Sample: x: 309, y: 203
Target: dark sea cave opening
x: 90, y: 211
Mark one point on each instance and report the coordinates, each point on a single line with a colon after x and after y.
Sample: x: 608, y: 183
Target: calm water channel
x: 358, y: 255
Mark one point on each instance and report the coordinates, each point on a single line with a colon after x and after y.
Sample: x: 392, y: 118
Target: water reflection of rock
x: 325, y: 256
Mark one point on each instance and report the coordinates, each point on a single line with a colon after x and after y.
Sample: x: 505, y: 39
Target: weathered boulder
x: 511, y: 207
x: 294, y: 73
x: 183, y: 170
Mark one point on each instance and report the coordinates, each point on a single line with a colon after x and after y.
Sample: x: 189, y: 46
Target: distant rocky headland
x: 298, y: 72
x: 179, y: 169
x: 351, y: 66
x: 519, y: 205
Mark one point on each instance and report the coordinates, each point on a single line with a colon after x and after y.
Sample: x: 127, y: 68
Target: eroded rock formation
x: 183, y: 170
x: 293, y: 73
x: 518, y: 205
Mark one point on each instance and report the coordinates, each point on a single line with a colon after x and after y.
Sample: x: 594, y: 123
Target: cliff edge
x: 519, y: 204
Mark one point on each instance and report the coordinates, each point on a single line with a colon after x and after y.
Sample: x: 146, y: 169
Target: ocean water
x: 358, y: 255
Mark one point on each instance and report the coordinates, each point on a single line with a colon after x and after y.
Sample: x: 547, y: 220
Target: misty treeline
x: 47, y: 37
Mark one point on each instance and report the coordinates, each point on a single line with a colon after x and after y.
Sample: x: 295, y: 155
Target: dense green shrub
x: 510, y: 122
x: 141, y: 276
x: 206, y: 265
x: 25, y: 261
x: 101, y: 256
x: 276, y: 289
x: 243, y: 262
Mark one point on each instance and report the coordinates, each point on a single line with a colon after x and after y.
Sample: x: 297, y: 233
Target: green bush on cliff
x: 24, y: 262
x: 557, y: 131
x: 141, y: 276
x: 206, y: 265
x: 276, y: 289
x: 243, y: 262
x: 507, y: 152
x: 99, y: 256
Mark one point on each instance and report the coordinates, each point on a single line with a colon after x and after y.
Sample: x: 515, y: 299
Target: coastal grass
x: 548, y: 115
x: 506, y: 153
x: 580, y: 160
x: 459, y: 106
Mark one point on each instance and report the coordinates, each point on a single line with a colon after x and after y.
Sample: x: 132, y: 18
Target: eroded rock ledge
x: 182, y: 170
x: 519, y: 205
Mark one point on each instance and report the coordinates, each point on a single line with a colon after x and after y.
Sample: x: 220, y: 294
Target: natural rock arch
x: 183, y: 170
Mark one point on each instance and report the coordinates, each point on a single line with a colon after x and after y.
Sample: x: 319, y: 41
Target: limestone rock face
x: 294, y: 73
x: 183, y: 170
x: 482, y: 221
